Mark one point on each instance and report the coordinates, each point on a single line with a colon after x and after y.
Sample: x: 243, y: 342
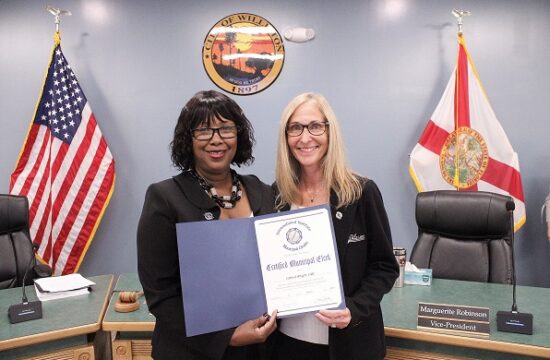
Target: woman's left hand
x: 254, y: 331
x: 339, y: 319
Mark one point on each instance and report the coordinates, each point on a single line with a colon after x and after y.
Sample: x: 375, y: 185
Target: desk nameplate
x: 454, y: 319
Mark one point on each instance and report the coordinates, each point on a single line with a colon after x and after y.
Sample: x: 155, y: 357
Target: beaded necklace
x: 226, y: 201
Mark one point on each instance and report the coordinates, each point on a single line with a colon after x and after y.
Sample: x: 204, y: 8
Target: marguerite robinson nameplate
x: 454, y: 319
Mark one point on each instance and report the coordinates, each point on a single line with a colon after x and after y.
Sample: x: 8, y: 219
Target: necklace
x: 312, y: 197
x: 225, y: 201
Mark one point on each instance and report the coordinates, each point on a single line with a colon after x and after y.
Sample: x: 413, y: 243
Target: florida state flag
x: 463, y: 147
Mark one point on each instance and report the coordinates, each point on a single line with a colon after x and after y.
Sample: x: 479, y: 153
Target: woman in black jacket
x: 211, y: 134
x: 312, y: 170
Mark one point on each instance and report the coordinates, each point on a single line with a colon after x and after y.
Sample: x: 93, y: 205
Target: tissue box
x: 420, y: 277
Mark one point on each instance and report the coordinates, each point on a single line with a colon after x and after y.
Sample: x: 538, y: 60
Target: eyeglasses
x: 315, y: 128
x: 225, y: 132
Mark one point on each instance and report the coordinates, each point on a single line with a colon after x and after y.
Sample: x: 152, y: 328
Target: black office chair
x: 465, y: 235
x: 16, y: 248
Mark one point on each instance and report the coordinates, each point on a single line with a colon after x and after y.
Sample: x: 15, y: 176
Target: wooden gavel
x: 128, y: 301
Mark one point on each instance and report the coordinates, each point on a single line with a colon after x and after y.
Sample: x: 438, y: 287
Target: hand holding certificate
x: 235, y: 270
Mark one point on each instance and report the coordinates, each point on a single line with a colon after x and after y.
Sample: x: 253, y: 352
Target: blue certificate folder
x: 221, y: 277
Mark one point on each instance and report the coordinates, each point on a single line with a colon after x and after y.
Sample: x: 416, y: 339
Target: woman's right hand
x: 254, y: 331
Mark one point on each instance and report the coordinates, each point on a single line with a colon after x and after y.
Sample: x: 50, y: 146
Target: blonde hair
x: 336, y: 172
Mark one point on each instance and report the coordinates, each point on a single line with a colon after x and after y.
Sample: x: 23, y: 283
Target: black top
x: 181, y: 199
x: 369, y: 270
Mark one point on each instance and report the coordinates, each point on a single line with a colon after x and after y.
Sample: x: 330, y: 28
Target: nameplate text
x: 454, y: 319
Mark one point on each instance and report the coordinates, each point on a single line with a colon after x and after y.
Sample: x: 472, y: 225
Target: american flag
x: 65, y: 169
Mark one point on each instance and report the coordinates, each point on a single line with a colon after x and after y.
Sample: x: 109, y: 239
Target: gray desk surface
x: 400, y: 309
x: 63, y: 318
x: 401, y: 304
x: 139, y: 320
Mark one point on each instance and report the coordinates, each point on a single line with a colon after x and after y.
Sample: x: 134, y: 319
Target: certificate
x: 299, y: 262
x: 236, y: 270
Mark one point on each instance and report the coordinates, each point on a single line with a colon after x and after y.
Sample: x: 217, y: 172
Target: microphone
x: 514, y: 321
x: 545, y: 210
x: 26, y: 310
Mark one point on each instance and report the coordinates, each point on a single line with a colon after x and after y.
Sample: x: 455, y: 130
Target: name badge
x: 454, y: 319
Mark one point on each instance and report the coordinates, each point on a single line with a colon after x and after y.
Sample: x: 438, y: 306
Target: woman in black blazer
x: 312, y: 170
x: 211, y: 134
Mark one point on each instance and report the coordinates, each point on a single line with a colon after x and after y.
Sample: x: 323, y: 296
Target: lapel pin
x: 208, y: 216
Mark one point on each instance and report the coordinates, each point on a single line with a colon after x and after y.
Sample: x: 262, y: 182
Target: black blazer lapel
x: 202, y: 203
x: 342, y: 220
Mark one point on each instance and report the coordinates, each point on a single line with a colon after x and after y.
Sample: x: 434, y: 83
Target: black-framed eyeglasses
x: 225, y: 132
x: 315, y: 128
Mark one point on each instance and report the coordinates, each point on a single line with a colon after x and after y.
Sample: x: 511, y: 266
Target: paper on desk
x: 45, y: 296
x: 63, y: 283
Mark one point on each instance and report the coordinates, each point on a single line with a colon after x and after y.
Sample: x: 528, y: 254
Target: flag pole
x: 459, y: 14
x: 57, y: 13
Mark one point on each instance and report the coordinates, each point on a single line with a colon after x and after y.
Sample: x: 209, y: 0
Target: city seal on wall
x: 243, y: 54
x: 464, y: 164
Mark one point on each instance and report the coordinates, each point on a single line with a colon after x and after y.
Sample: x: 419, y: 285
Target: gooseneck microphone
x: 514, y: 321
x: 24, y: 297
x: 510, y: 207
x: 26, y: 310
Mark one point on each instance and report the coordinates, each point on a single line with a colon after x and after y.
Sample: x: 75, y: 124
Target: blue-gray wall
x: 382, y: 64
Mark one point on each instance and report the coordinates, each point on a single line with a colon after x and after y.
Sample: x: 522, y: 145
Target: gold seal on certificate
x: 299, y: 261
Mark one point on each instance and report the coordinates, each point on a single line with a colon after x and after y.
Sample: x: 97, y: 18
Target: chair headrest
x: 474, y: 214
x: 14, y: 213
